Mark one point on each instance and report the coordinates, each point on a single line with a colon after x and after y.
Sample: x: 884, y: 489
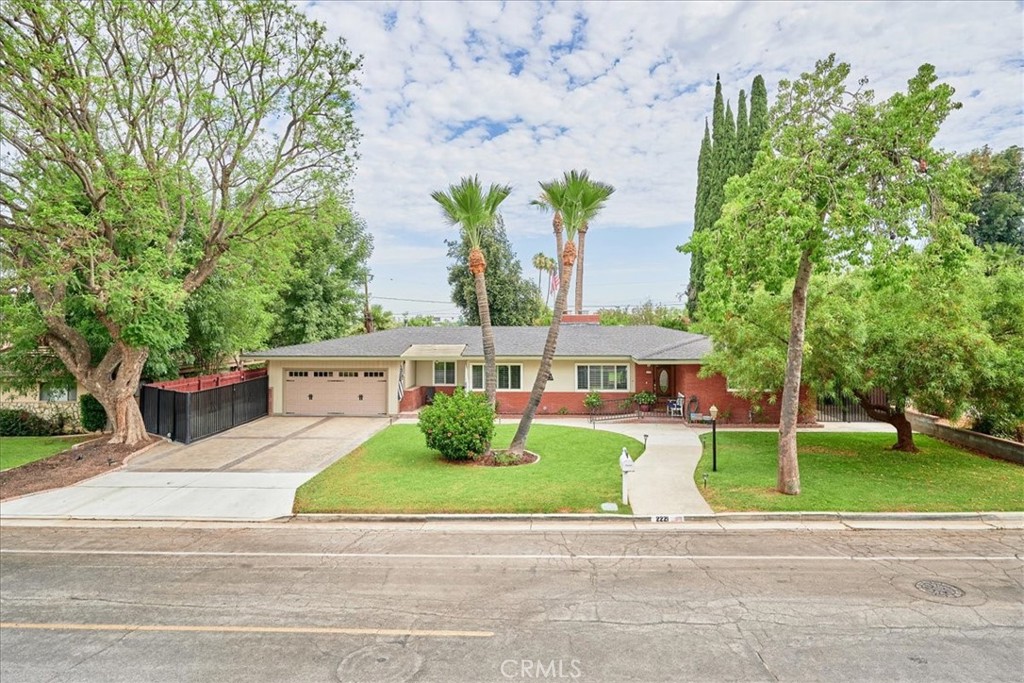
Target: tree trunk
x: 789, y: 468
x: 894, y: 416
x: 123, y: 411
x: 483, y: 308
x: 518, y: 445
x: 114, y: 387
x: 112, y: 381
x: 579, y: 270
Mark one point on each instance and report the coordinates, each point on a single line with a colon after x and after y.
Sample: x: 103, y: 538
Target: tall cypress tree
x: 728, y: 149
x: 699, y: 211
x: 729, y: 155
x: 758, y: 118
x: 744, y: 160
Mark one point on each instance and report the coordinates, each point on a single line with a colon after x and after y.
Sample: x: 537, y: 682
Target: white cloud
x: 622, y: 89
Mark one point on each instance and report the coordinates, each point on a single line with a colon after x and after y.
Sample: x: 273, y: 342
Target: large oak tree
x: 141, y: 141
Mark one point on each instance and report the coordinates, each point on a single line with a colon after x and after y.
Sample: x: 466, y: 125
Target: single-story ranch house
x: 399, y: 370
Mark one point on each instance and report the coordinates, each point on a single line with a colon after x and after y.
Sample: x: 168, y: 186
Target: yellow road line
x: 247, y: 629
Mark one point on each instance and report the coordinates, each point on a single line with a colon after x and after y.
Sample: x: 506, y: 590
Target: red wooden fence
x: 203, y: 382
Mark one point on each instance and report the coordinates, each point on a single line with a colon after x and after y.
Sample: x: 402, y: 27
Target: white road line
x: 526, y: 556
x: 421, y: 633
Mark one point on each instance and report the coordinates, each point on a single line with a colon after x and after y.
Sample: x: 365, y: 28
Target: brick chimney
x: 584, y: 319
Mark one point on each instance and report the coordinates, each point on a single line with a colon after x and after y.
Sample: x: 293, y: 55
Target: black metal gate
x: 189, y: 416
x: 847, y: 408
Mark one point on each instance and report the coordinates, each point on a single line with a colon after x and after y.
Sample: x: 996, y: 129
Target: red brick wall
x: 416, y: 397
x: 514, y: 402
x: 710, y: 391
x: 731, y: 407
x: 411, y: 400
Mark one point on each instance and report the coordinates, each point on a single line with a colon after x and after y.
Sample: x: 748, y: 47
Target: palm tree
x: 473, y: 210
x: 579, y: 267
x: 576, y: 199
x: 540, y: 262
x: 550, y: 265
x: 543, y: 202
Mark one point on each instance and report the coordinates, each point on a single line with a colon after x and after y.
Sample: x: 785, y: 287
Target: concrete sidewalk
x: 663, y: 481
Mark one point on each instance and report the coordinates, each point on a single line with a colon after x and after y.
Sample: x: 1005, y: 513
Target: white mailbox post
x: 627, y: 465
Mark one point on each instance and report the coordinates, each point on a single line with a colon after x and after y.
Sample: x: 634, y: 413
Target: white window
x: 444, y: 372
x: 602, y: 377
x: 57, y: 391
x: 510, y: 377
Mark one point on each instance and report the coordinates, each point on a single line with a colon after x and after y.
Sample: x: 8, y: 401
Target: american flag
x: 553, y: 287
x: 401, y: 381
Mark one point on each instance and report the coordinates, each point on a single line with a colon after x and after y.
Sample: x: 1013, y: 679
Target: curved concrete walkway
x: 663, y: 481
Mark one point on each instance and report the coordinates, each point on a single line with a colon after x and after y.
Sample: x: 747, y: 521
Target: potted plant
x: 645, y: 399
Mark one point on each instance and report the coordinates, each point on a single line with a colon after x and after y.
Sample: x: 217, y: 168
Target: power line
x: 417, y: 301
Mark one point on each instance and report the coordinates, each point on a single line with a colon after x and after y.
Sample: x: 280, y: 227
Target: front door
x: 664, y: 381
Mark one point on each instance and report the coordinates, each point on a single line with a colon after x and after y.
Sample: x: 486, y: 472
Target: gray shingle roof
x: 644, y: 342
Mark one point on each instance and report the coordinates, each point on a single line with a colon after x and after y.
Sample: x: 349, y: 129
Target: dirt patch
x: 67, y: 468
x: 502, y: 459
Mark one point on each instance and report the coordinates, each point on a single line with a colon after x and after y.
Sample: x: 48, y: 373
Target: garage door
x: 335, y: 392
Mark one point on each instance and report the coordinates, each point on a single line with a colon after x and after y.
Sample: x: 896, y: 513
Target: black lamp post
x: 714, y: 437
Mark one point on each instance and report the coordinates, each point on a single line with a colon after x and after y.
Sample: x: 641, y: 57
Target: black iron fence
x: 189, y: 416
x: 613, y: 409
x: 847, y: 408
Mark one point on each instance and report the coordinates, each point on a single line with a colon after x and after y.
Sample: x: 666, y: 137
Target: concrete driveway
x: 247, y: 473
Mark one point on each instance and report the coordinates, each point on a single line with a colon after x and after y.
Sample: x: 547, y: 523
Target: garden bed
x: 66, y: 468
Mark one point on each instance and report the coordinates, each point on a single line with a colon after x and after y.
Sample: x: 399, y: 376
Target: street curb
x: 721, y: 522
x: 630, y: 519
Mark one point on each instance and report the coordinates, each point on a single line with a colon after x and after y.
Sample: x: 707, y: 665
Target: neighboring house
x: 55, y: 401
x: 398, y: 370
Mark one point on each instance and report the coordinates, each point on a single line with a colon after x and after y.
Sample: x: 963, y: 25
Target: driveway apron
x: 248, y: 473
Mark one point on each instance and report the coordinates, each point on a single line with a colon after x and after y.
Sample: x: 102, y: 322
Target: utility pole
x: 367, y: 313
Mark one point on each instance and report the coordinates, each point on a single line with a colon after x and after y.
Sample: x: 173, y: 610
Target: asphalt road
x: 486, y: 602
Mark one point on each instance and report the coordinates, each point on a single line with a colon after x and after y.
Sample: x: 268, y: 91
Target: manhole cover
x: 380, y: 663
x: 939, y: 589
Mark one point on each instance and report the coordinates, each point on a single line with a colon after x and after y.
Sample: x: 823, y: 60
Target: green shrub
x: 24, y: 423
x: 94, y: 416
x: 1005, y: 425
x: 645, y: 398
x: 592, y: 401
x: 459, y: 426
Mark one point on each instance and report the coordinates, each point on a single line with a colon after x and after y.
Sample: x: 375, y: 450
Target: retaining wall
x: 983, y: 443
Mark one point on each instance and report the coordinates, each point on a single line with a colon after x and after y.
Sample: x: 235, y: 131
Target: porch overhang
x: 434, y: 351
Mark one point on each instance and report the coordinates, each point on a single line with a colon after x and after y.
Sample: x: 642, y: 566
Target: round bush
x: 23, y: 423
x: 459, y: 426
x: 94, y: 416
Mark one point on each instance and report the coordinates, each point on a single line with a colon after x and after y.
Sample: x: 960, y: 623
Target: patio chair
x: 675, y: 408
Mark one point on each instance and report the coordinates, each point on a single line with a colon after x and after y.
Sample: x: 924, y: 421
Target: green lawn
x: 857, y: 473
x: 18, y: 450
x: 395, y: 472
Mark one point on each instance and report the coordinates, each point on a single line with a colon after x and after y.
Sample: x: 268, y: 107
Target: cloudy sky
x: 517, y: 92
